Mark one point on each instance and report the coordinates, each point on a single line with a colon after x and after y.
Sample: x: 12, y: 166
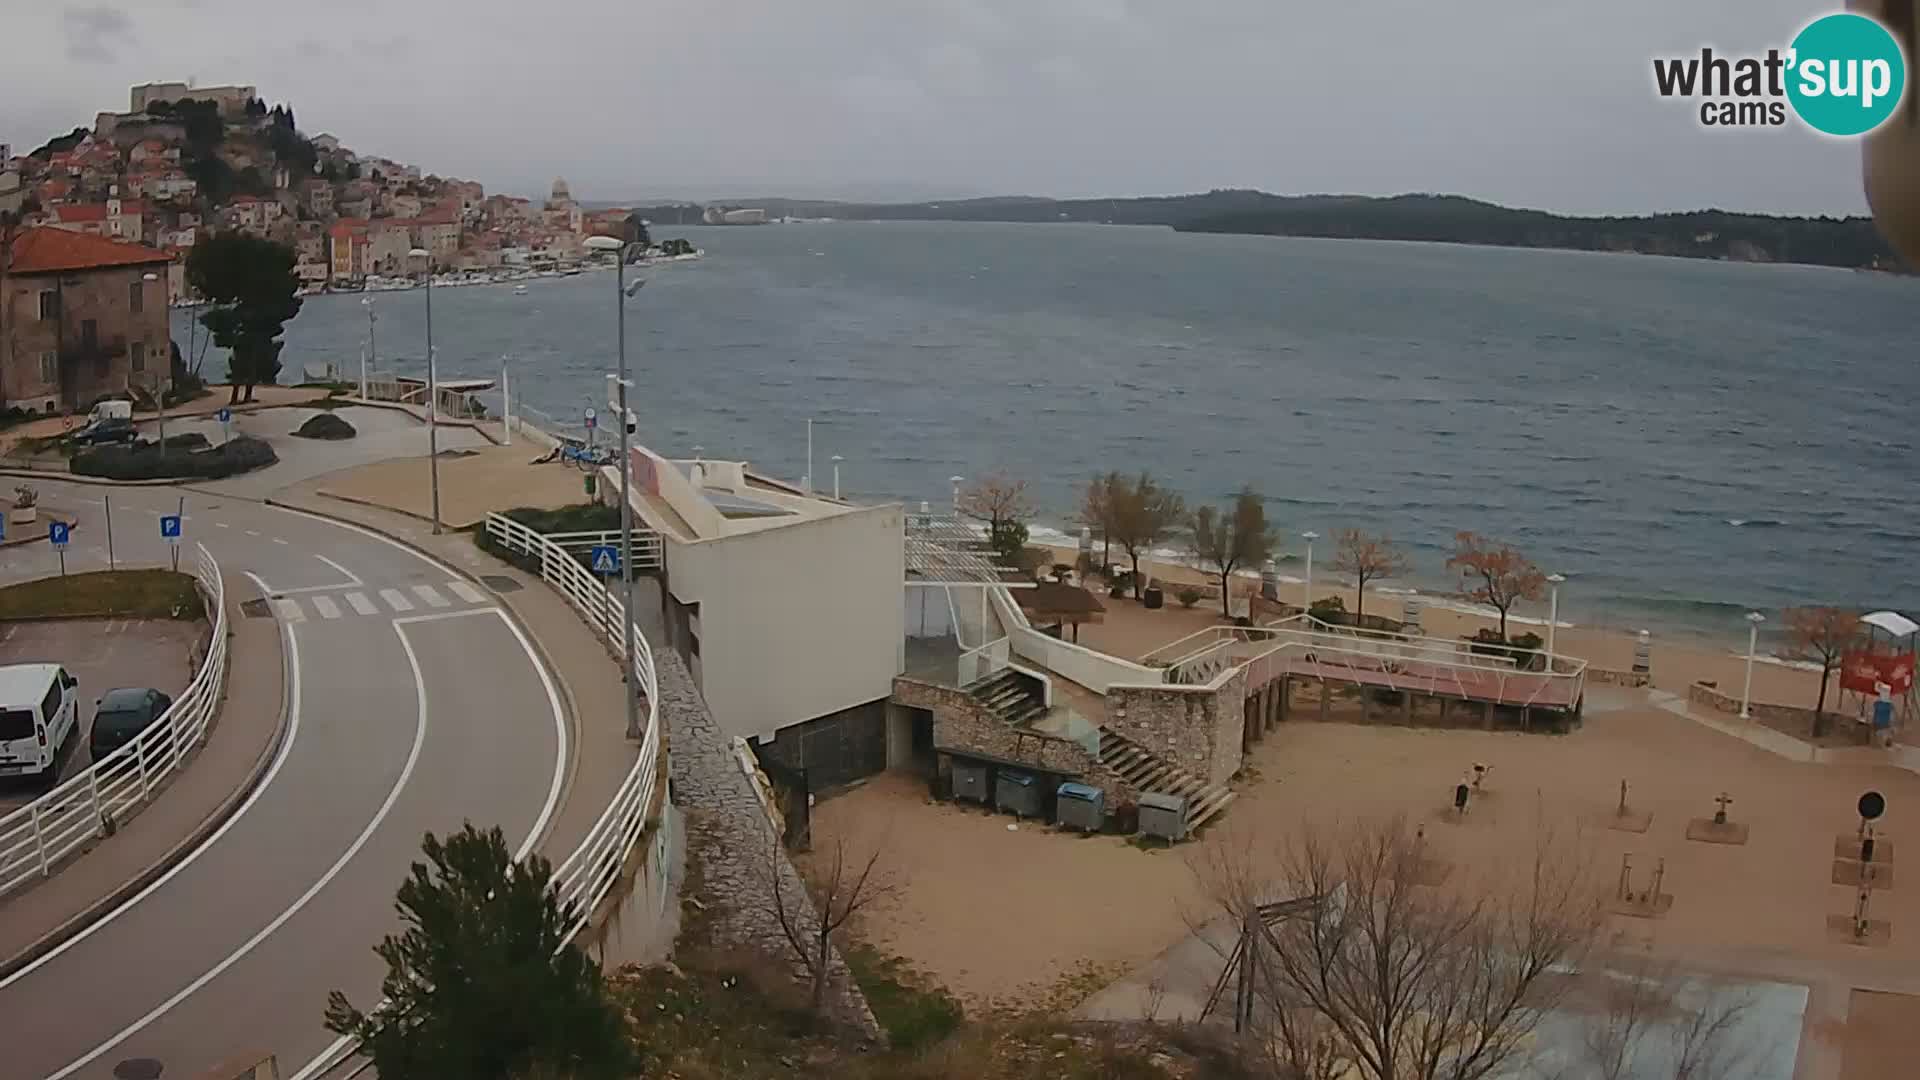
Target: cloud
x: 93, y: 32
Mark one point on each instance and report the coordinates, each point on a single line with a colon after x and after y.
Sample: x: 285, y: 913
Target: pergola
x: 1058, y: 604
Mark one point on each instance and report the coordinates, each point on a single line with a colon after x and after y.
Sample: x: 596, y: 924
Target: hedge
x: 144, y: 461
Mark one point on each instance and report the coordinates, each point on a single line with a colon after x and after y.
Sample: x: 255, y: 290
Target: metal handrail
x: 585, y: 878
x: 86, y: 806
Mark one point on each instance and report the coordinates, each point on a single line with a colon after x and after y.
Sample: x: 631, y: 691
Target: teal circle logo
x: 1846, y: 74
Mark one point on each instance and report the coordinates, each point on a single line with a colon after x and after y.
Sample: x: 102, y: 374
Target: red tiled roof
x: 75, y: 212
x: 49, y: 250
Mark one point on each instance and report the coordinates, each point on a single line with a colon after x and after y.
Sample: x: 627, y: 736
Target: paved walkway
x: 238, y: 746
x: 479, y: 479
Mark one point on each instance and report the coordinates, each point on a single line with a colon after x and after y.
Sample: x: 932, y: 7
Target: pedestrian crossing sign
x: 606, y: 560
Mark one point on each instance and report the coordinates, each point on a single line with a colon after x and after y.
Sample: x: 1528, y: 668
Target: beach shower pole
x: 956, y: 481
x: 837, y: 459
x: 1309, y: 537
x: 433, y: 394
x: 1553, y: 616
x: 368, y: 352
x: 1754, y: 619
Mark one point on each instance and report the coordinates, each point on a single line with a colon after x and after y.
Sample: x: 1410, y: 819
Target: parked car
x: 122, y: 714
x: 39, y: 711
x: 110, y: 421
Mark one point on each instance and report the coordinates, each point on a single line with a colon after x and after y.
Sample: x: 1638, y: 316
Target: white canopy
x: 1892, y: 622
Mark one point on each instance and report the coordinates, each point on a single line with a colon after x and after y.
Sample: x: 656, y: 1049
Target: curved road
x: 415, y: 705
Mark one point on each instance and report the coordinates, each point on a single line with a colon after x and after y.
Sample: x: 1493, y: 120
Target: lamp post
x: 807, y: 481
x: 1309, y: 537
x: 367, y: 354
x: 956, y: 481
x: 1553, y: 615
x: 160, y: 383
x: 433, y: 393
x: 1754, y: 619
x: 621, y: 294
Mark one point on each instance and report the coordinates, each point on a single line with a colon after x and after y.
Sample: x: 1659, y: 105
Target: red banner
x: 1864, y: 672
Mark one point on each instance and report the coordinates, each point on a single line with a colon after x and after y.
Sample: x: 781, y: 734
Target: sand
x: 996, y: 914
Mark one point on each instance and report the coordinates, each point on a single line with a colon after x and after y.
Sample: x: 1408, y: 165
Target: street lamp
x: 1309, y: 537
x: 1754, y: 619
x: 160, y: 382
x: 367, y: 354
x: 433, y: 393
x: 1553, y: 615
x: 621, y: 294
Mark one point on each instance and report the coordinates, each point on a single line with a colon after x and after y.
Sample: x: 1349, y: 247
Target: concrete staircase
x: 1148, y: 772
x: 1011, y: 696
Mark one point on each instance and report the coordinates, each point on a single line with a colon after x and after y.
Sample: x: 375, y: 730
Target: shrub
x: 1188, y: 595
x: 191, y: 440
x: 325, y: 426
x: 144, y: 461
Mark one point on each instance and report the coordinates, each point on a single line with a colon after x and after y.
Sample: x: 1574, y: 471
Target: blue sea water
x: 1684, y: 440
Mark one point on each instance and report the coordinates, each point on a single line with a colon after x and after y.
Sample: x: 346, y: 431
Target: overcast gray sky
x: 1544, y: 103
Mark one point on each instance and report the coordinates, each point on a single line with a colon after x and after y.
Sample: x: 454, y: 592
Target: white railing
x: 34, y: 838
x: 588, y: 875
x: 647, y: 550
x: 978, y: 663
x: 1094, y: 670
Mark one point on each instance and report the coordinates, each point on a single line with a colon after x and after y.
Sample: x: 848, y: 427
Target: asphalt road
x: 415, y: 706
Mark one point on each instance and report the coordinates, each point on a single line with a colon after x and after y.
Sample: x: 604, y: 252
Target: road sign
x: 57, y: 533
x: 606, y: 559
x: 592, y: 418
x: 223, y: 415
x: 170, y: 528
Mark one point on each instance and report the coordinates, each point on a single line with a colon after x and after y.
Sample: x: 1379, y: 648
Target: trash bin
x: 1079, y: 806
x: 970, y: 781
x: 1163, y: 816
x: 1017, y: 792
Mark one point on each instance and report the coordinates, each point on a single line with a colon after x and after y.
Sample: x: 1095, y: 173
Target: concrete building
x: 231, y: 99
x: 388, y: 242
x: 437, y: 231
x: 348, y: 252
x: 120, y: 219
x: 78, y: 318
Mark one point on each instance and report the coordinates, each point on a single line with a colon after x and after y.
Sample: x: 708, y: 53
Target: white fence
x: 37, y: 836
x: 585, y: 878
x: 646, y: 545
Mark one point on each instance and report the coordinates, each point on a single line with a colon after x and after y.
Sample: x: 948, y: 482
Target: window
x: 50, y: 706
x: 139, y: 356
x: 49, y: 305
x: 15, y: 724
x: 137, y: 297
x: 49, y: 367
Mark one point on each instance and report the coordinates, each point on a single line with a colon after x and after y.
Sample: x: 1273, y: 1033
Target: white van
x: 39, y: 712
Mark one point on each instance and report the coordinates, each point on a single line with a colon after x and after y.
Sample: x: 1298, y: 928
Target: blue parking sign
x: 170, y: 528
x: 223, y: 415
x: 57, y: 533
x: 606, y: 559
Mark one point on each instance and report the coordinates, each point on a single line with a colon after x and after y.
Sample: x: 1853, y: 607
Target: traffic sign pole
x: 106, y: 501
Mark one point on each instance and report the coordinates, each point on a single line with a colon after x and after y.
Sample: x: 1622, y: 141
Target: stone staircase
x: 1009, y: 695
x: 1148, y: 772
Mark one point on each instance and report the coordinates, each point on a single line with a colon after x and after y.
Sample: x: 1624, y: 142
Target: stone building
x: 81, y: 318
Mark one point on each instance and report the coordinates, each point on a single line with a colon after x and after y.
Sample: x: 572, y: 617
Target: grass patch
x: 913, y: 1012
x: 136, y: 594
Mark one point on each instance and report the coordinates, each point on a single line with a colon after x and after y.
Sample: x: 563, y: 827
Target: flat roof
x: 25, y: 684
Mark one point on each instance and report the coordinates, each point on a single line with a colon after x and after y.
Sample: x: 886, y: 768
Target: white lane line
x: 432, y: 596
x: 273, y: 770
x: 350, y: 575
x: 380, y: 815
x: 361, y: 605
x: 466, y: 592
x: 325, y: 606
x: 335, y: 1051
x: 289, y: 609
x: 279, y: 541
x: 396, y: 599
x: 253, y: 532
x: 221, y: 525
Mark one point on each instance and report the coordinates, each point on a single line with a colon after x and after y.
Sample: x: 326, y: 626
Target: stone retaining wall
x: 1619, y: 678
x: 1197, y: 729
x: 1710, y: 696
x: 729, y: 833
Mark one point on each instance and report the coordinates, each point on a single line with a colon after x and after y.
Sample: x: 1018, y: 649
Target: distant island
x: 1450, y: 219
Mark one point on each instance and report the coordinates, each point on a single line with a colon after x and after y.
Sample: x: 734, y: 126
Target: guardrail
x: 38, y: 835
x: 647, y: 551
x: 585, y: 878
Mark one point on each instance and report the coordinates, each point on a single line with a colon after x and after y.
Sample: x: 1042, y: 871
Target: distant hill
x: 1452, y: 219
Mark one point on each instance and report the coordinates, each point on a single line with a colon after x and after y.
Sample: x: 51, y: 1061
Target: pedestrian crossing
x: 366, y: 601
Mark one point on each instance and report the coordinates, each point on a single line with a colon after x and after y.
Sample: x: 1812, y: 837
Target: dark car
x: 107, y: 430
x: 121, y: 715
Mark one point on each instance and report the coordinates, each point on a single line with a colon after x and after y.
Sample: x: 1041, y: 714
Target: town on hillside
x: 186, y: 161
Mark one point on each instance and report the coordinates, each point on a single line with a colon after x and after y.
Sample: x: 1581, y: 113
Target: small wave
x: 1756, y: 523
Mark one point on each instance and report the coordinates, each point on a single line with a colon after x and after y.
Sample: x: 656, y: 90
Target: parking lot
x: 102, y: 654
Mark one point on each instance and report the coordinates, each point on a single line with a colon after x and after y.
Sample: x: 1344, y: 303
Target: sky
x: 1537, y: 103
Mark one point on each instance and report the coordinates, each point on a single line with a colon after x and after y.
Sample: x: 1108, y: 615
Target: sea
x: 1684, y: 440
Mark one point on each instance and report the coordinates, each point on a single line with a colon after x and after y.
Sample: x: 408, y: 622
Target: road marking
x: 353, y: 580
x: 396, y: 599
x: 326, y: 607
x: 289, y: 609
x: 336, y: 1051
x: 350, y: 575
x: 253, y: 532
x: 286, y: 749
x: 432, y: 596
x: 221, y: 525
x: 380, y: 815
x: 279, y: 541
x: 466, y: 592
x: 360, y: 603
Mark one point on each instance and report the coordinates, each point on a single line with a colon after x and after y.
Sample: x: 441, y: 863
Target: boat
x: 519, y: 290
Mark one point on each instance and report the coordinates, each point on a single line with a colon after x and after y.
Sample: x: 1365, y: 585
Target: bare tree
x: 1001, y: 502
x: 1495, y: 574
x: 1144, y: 513
x: 1366, y: 558
x: 1226, y: 540
x: 1822, y: 634
x: 1096, y: 509
x: 841, y: 886
x: 1368, y: 973
x: 1648, y: 1021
